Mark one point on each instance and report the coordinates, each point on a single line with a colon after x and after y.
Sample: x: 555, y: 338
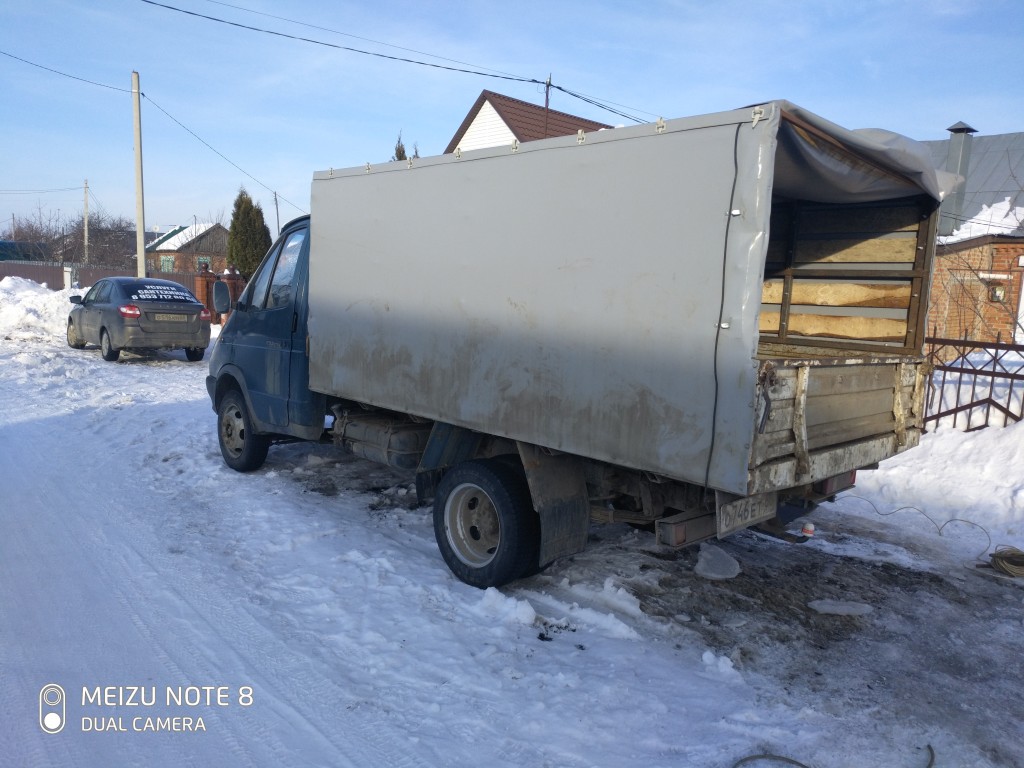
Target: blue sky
x: 280, y: 109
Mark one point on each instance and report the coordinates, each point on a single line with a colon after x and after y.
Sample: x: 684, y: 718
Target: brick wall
x: 976, y: 290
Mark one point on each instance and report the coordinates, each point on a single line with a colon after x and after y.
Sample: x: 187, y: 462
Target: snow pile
x: 974, y: 476
x: 720, y: 667
x: 29, y: 311
x: 998, y: 219
x: 506, y: 610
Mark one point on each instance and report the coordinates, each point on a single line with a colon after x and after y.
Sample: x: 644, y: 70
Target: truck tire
x: 194, y: 354
x: 485, y: 524
x: 243, y: 450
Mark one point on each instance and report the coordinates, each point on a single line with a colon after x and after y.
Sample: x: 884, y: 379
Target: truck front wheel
x: 243, y: 450
x: 485, y: 524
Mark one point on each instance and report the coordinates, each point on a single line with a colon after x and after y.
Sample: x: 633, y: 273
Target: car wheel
x: 109, y: 352
x: 73, y: 339
x: 485, y: 524
x: 243, y: 450
x: 194, y: 354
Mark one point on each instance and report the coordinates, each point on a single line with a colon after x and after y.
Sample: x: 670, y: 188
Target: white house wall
x: 486, y: 130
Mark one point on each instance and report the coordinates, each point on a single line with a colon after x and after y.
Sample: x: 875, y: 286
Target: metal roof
x: 995, y: 176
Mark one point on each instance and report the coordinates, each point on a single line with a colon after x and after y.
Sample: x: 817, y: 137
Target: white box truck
x: 685, y: 323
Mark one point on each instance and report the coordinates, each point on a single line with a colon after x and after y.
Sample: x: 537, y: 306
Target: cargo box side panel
x: 566, y: 294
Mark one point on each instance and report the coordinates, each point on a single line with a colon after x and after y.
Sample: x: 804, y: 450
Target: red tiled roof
x: 527, y: 122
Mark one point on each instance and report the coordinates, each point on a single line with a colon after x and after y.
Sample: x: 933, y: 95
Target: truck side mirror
x: 221, y: 297
x: 75, y: 299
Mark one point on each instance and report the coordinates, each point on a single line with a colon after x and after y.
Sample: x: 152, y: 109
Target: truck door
x: 270, y: 329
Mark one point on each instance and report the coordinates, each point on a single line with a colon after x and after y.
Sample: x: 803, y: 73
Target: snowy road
x: 309, y: 600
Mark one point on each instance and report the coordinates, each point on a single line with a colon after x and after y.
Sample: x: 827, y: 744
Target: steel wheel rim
x: 471, y: 524
x: 232, y: 430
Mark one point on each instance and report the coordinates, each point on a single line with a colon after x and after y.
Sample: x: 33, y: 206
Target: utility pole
x: 140, y: 215
x: 277, y: 211
x: 85, y: 224
x: 547, y: 100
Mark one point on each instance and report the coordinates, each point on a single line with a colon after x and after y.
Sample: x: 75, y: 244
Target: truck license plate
x: 163, y: 317
x: 737, y: 512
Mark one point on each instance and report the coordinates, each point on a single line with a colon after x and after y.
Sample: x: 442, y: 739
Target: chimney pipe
x: 958, y: 161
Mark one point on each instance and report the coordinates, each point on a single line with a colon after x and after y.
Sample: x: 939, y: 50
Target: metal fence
x: 975, y: 384
x: 56, y: 275
x: 43, y: 272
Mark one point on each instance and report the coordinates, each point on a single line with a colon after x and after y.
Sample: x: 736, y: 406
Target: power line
x: 344, y: 47
x: 480, y: 71
x: 356, y: 37
x: 65, y: 74
x: 143, y: 95
x: 37, y: 191
x: 596, y: 103
x: 219, y: 154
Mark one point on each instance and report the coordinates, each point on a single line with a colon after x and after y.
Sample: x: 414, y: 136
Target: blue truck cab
x: 259, y: 369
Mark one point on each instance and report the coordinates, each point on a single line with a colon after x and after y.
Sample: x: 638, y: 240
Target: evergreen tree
x: 400, y: 153
x: 249, y: 238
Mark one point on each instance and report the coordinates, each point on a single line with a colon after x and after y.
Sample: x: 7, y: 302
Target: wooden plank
x: 800, y: 423
x: 836, y: 381
x: 781, y: 445
x: 778, y: 439
x: 840, y: 294
x: 877, y: 250
x: 829, y: 408
x: 837, y: 327
x: 905, y: 218
x: 823, y: 378
x: 781, y: 419
x: 848, y: 430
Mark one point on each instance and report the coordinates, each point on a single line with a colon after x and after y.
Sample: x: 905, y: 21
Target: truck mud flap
x: 559, y: 492
x: 735, y: 513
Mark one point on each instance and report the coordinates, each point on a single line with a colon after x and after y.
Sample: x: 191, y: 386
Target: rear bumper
x: 825, y: 463
x: 136, y: 338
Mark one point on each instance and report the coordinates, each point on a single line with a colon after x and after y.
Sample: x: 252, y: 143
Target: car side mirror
x: 221, y: 298
x: 75, y: 299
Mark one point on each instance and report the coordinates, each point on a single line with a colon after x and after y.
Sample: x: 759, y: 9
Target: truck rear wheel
x: 243, y: 450
x: 485, y: 524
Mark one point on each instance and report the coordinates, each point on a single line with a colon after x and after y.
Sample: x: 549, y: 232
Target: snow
x: 997, y: 219
x: 305, y: 613
x: 186, y: 236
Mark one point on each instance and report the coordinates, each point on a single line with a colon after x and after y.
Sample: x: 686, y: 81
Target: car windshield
x: 145, y: 290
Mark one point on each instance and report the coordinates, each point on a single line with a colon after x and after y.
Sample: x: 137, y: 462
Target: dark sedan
x: 138, y: 313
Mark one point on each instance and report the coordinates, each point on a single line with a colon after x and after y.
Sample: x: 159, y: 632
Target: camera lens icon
x: 51, y: 708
